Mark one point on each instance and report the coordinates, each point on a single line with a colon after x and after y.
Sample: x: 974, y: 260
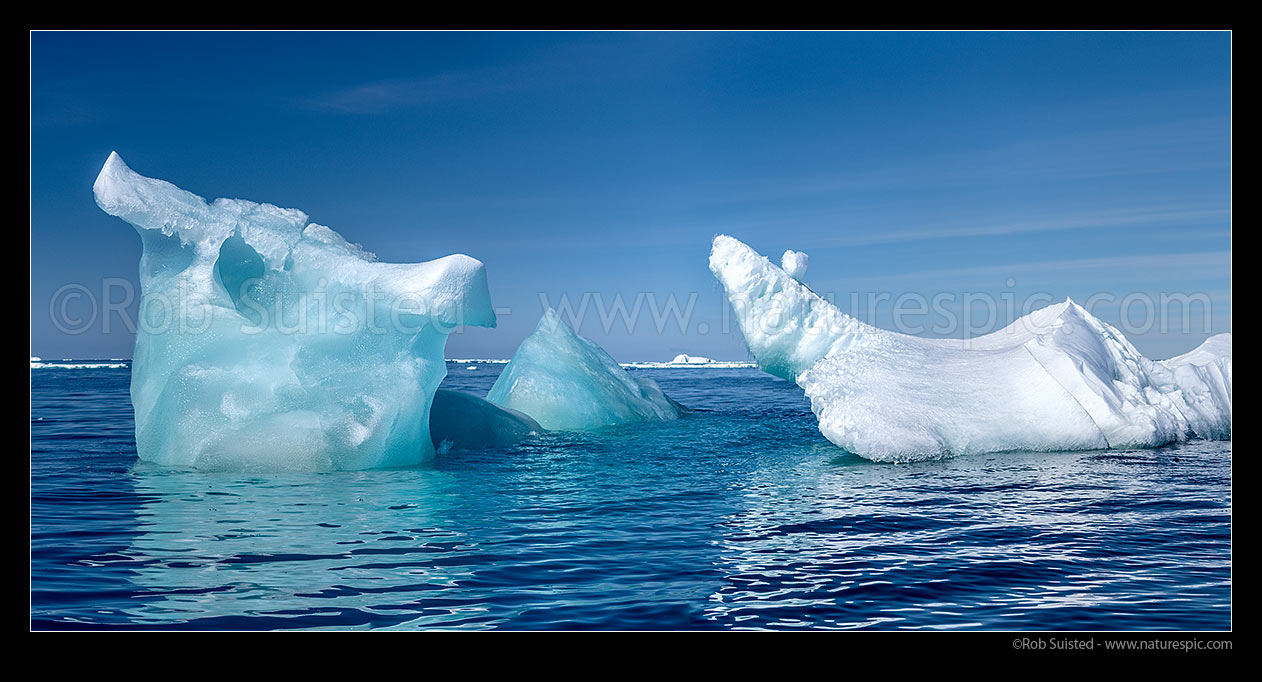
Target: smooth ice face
x: 463, y: 421
x: 569, y: 383
x: 269, y: 342
x: 1057, y: 379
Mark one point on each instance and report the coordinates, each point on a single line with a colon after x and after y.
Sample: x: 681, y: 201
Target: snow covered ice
x: 1056, y: 379
x: 794, y: 264
x: 569, y: 383
x: 270, y: 342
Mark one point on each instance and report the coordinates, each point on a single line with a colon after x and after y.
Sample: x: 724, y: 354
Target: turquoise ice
x: 269, y: 342
x: 569, y: 383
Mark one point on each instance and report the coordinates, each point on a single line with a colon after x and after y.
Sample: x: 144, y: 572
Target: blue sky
x: 962, y: 164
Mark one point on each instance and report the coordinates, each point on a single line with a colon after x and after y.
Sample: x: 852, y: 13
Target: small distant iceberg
x: 569, y: 383
x: 691, y: 361
x: 1056, y: 379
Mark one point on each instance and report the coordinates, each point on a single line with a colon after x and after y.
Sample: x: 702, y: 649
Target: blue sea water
x: 738, y: 516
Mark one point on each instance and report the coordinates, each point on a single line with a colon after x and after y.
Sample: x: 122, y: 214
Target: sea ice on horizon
x: 36, y: 363
x: 569, y: 383
x: 1056, y: 379
x: 283, y: 346
x: 690, y: 362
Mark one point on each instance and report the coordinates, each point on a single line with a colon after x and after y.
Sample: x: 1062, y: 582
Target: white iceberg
x: 463, y: 421
x: 693, y: 362
x: 569, y: 383
x: 270, y: 342
x: 685, y: 359
x: 1057, y: 379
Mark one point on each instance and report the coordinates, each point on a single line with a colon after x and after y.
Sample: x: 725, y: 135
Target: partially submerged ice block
x: 569, y: 383
x: 270, y: 342
x: 1056, y: 379
x: 463, y: 421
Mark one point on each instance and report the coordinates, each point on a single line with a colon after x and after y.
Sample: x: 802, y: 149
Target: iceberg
x: 692, y: 362
x: 269, y: 342
x: 569, y: 383
x: 1056, y: 379
x: 463, y: 421
x: 685, y: 359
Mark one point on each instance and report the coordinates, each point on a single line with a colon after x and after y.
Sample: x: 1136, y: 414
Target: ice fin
x: 569, y: 383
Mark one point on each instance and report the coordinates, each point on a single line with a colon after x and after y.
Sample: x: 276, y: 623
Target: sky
x: 959, y: 168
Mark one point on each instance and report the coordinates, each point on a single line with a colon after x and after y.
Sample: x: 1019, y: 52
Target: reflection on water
x: 738, y: 516
x: 266, y: 552
x: 1009, y: 541
x: 563, y: 532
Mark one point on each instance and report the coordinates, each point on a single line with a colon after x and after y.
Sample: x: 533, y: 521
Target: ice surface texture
x: 569, y: 383
x: 270, y: 342
x: 794, y: 264
x: 1056, y: 379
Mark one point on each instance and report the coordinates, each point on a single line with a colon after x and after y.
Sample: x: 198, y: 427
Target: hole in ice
x: 238, y: 268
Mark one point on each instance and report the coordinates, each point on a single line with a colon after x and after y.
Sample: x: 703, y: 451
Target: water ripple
x: 739, y: 516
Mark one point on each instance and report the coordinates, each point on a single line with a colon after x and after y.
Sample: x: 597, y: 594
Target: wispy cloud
x: 564, y: 65
x: 1108, y: 152
x: 62, y: 103
x: 1171, y: 266
x: 1094, y: 220
x: 386, y: 95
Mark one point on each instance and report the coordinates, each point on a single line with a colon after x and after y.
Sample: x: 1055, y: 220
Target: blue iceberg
x: 569, y: 383
x: 269, y: 342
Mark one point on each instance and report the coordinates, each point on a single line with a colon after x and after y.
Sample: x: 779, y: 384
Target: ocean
x: 738, y: 516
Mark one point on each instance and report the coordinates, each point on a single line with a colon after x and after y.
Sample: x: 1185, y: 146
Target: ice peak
x: 787, y: 327
x: 551, y: 323
x: 114, y: 161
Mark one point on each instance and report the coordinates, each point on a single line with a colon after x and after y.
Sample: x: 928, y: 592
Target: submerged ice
x: 569, y: 383
x: 1056, y: 379
x: 270, y: 342
x: 463, y: 421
